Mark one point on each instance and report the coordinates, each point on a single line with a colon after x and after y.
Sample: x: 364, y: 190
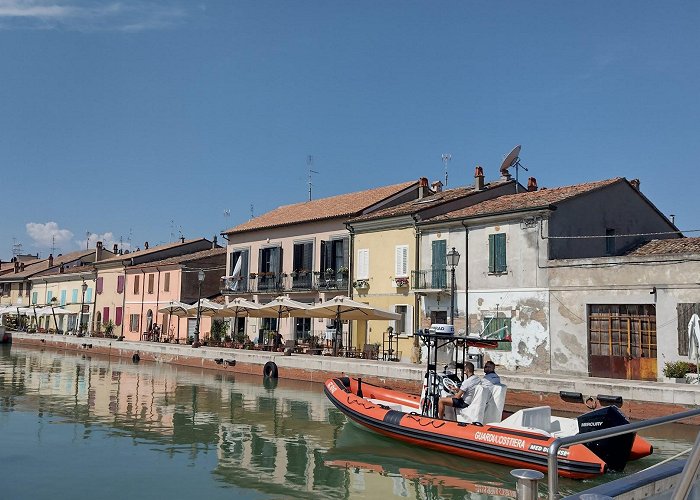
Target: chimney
x: 437, y: 186
x: 214, y: 243
x: 423, y: 188
x: 115, y: 249
x: 145, y: 246
x: 61, y: 269
x: 16, y: 266
x: 479, y: 178
x: 98, y: 251
x: 182, y: 239
x: 21, y: 267
x: 50, y: 260
x: 531, y: 184
x: 635, y: 184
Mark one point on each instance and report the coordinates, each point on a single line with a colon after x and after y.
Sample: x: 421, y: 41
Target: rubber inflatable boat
x: 481, y: 431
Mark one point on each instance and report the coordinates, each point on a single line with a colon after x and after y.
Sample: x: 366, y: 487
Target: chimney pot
x: 182, y: 239
x: 479, y: 178
x: 214, y: 242
x: 145, y: 245
x: 532, y: 184
x: 21, y: 267
x: 437, y: 186
x: 115, y: 249
x: 50, y: 260
x: 16, y: 266
x: 635, y: 184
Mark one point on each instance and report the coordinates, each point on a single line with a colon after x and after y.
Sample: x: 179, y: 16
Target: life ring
x: 270, y: 370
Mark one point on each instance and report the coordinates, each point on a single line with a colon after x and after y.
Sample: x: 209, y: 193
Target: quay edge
x: 642, y: 399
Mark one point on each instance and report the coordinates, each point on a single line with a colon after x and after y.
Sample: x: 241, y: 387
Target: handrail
x: 553, y: 465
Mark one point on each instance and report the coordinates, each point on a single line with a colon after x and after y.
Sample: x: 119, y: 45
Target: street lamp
x: 200, y: 279
x: 452, y: 261
x: 82, y: 306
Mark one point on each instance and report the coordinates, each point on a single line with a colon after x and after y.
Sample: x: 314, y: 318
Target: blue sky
x: 137, y: 121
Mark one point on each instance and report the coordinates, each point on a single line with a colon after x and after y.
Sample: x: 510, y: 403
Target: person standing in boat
x: 465, y: 395
x: 491, y: 378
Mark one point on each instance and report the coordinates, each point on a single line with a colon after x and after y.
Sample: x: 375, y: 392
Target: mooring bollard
x: 526, y: 487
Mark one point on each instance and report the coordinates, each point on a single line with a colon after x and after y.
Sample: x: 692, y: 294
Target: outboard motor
x: 615, y: 451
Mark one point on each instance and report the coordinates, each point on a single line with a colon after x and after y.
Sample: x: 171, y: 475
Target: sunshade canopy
x: 175, y: 308
x: 281, y: 306
x: 345, y: 308
x: 208, y: 308
x: 241, y: 307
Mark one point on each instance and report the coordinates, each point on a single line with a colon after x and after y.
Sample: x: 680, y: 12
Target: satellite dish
x: 511, y: 159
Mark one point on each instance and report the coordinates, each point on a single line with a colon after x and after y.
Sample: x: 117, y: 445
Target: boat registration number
x: 545, y: 449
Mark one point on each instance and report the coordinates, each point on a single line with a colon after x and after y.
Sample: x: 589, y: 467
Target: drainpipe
x: 415, y: 355
x: 143, y: 289
x: 466, y: 277
x: 157, y: 293
x: 351, y: 273
x: 121, y: 334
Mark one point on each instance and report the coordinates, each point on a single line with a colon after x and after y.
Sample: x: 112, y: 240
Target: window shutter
x: 120, y: 284
x: 105, y: 315
x: 88, y: 295
x: 63, y: 297
x: 74, y: 296
x: 151, y: 279
x: 136, y: 284
x: 35, y: 296
x: 501, y: 253
x: 492, y: 253
x: 409, y: 320
x: 363, y: 264
x: 439, y: 261
x: 261, y: 264
x: 401, y: 264
x: 49, y: 296
x: 118, y: 316
x: 166, y: 282
x: 98, y: 285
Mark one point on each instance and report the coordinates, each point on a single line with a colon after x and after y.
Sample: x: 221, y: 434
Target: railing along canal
x: 553, y: 465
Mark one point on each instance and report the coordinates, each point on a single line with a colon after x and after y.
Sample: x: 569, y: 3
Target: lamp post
x: 82, y: 306
x: 200, y: 279
x: 452, y: 261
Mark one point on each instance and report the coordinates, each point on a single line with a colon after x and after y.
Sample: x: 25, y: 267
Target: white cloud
x: 108, y: 241
x: 88, y: 15
x: 47, y: 235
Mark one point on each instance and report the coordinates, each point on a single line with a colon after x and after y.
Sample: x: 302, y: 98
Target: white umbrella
x: 175, y: 308
x: 241, y: 308
x: 341, y: 307
x: 208, y: 308
x: 236, y: 274
x: 281, y: 306
x: 694, y: 339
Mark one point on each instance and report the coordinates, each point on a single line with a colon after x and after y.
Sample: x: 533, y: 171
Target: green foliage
x: 109, y: 328
x: 678, y: 369
x: 219, y: 327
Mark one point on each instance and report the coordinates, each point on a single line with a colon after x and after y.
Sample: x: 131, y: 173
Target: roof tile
x: 668, y: 246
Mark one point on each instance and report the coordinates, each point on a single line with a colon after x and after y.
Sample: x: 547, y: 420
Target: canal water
x: 77, y: 426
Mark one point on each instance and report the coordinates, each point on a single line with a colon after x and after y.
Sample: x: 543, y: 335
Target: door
x: 622, y: 341
x: 439, y: 262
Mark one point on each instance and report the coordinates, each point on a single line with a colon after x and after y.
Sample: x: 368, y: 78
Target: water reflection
x: 194, y: 432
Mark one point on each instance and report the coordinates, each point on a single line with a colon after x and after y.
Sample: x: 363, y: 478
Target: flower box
x: 401, y: 282
x: 361, y: 284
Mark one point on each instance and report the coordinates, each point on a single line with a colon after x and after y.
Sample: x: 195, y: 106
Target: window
x: 134, y: 322
x: 363, y: 264
x: 498, y: 328
x: 120, y: 284
x: 166, y: 282
x: 401, y: 261
x: 439, y: 262
x: 98, y: 285
x: 136, y: 284
x: 403, y: 326
x: 35, y: 297
x: 151, y: 279
x: 239, y: 271
x: 334, y: 254
x: 118, y: 316
x: 302, y: 329
x: 685, y: 312
x: 497, y: 253
x: 623, y: 330
x: 610, y: 241
x: 270, y: 260
x: 302, y: 264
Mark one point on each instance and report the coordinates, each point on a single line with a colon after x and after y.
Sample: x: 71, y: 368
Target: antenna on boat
x: 446, y: 157
x: 512, y: 159
x: 310, y: 163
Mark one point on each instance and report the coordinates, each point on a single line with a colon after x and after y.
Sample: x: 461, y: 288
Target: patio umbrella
x: 175, y: 308
x: 694, y: 340
x: 242, y: 308
x: 281, y: 306
x: 341, y: 307
x: 208, y: 308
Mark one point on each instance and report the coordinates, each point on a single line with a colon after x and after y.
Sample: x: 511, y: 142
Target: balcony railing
x: 432, y: 279
x: 276, y: 283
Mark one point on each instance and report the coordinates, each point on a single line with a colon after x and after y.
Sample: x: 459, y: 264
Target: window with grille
x: 622, y: 330
x: 497, y: 253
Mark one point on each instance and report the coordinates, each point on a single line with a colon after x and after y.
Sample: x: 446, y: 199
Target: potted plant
x: 343, y: 270
x: 361, y: 284
x: 401, y: 282
x: 675, y: 371
x: 109, y: 328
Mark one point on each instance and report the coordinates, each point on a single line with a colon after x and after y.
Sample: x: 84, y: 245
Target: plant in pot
x: 675, y: 371
x: 219, y: 327
x: 109, y: 328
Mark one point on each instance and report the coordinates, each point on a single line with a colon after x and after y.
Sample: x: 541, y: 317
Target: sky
x: 134, y: 121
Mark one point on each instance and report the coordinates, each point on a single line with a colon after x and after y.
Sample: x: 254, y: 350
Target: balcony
x: 275, y: 283
x: 432, y: 279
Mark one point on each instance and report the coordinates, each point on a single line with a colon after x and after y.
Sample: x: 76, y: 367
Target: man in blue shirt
x: 491, y: 378
x: 465, y: 395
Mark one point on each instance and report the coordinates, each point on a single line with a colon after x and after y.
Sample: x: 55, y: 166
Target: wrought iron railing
x: 430, y: 279
x: 276, y: 283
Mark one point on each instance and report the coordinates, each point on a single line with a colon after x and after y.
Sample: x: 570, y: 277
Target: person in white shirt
x: 465, y: 395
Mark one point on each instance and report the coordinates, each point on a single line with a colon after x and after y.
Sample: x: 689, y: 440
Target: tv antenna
x: 310, y: 163
x: 53, y: 244
x: 512, y: 160
x: 87, y: 239
x: 16, y: 248
x: 252, y: 214
x: 446, y: 157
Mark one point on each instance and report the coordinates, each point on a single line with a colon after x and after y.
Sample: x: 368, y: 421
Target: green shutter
x: 500, y: 252
x: 439, y: 278
x: 492, y: 253
x: 35, y: 296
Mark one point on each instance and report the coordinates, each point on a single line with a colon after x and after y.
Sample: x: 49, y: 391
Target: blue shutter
x: 88, y: 296
x: 49, y: 296
x: 35, y: 296
x: 74, y: 296
x: 63, y: 297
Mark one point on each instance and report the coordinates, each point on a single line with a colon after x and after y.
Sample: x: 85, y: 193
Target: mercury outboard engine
x: 615, y: 451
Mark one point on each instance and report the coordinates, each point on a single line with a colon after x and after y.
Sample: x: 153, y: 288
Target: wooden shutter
x: 501, y: 253
x: 105, y: 314
x: 401, y: 261
x: 118, y: 316
x: 74, y: 296
x: 63, y: 297
x: 88, y: 296
x: 363, y: 264
x: 49, y: 295
x: 35, y: 296
x: 166, y: 282
x: 151, y: 279
x: 120, y: 284
x: 492, y: 253
x: 98, y: 285
x: 439, y: 263
x: 136, y: 284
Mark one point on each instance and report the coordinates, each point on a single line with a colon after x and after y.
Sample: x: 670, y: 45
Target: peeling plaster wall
x: 617, y: 280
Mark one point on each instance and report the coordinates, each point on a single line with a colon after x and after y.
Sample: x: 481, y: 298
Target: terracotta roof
x: 344, y: 205
x: 668, y: 246
x: 139, y: 253
x: 35, y: 267
x: 185, y: 258
x: 529, y: 200
x: 430, y: 201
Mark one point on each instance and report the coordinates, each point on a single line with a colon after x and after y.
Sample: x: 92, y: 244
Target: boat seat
x: 539, y: 417
x: 494, y: 405
x: 475, y: 411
